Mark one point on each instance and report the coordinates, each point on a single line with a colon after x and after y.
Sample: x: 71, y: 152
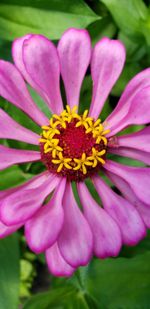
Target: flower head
x: 74, y: 147
x: 72, y: 143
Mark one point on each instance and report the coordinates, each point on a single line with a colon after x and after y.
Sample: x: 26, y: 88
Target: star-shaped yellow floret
x: 82, y: 163
x: 52, y: 146
x: 63, y: 162
x: 49, y: 132
x: 100, y: 136
x: 95, y: 127
x: 96, y: 157
x: 69, y: 113
x: 84, y: 120
x: 60, y: 120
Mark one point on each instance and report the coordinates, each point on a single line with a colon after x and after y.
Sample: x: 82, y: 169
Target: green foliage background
x: 120, y: 283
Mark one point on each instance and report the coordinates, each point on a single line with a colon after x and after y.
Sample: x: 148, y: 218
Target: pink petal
x: 9, y: 128
x: 139, y: 112
x: 132, y: 153
x: 9, y: 156
x: 123, y: 186
x: 56, y: 264
x: 13, y: 89
x: 75, y: 241
x: 7, y: 230
x: 43, y: 228
x: 107, y: 63
x: 138, y: 140
x: 74, y: 51
x: 123, y: 212
x: 42, y: 64
x: 34, y: 182
x: 17, y: 54
x: 127, y: 99
x: 22, y: 204
x: 106, y: 233
x: 138, y: 178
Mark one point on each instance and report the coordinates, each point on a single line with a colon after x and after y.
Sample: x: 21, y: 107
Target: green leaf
x: 51, y: 20
x: 141, y: 248
x: 135, y: 51
x: 52, y: 299
x: 128, y: 15
x: 12, y: 176
x: 5, y: 50
x: 9, y: 272
x: 101, y: 28
x: 146, y: 28
x: 121, y: 283
x: 66, y: 297
x: 86, y: 94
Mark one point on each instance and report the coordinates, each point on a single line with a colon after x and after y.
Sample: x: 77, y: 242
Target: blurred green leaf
x: 67, y: 297
x: 17, y: 20
x: 5, y: 50
x: 101, y: 28
x: 52, y: 299
x: 9, y: 272
x: 128, y: 15
x: 12, y: 176
x: 146, y: 28
x: 135, y: 51
x: 86, y: 94
x: 141, y: 248
x: 121, y: 283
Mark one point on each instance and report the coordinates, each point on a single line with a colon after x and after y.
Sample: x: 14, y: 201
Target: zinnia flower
x: 74, y: 147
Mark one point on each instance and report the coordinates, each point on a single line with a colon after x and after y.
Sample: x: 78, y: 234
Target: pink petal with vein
x: 139, y: 112
x: 139, y: 140
x: 42, y: 64
x: 74, y: 51
x: 56, y: 263
x: 128, y: 193
x: 13, y: 89
x: 75, y: 240
x: 138, y: 178
x: 127, y: 99
x: 106, y: 65
x: 17, y: 54
x: 107, y: 238
x: 123, y: 212
x: 43, y: 228
x: 7, y: 230
x: 21, y: 205
x: 131, y: 153
x: 10, y: 156
x: 10, y: 129
x: 34, y: 182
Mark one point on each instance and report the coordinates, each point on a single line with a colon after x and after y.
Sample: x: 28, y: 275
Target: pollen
x: 73, y: 145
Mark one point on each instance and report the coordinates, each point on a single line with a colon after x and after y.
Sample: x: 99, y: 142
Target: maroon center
x: 74, y: 142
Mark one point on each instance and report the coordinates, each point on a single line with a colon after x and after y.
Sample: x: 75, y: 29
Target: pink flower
x: 74, y: 147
